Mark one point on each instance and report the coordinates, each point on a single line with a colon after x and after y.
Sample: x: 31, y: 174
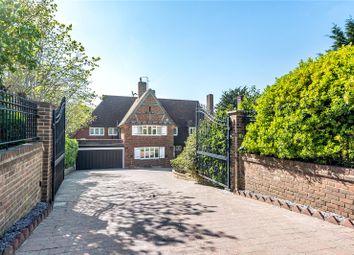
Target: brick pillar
x: 237, y: 134
x: 45, y: 134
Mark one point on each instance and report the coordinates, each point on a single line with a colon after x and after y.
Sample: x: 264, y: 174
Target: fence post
x: 238, y: 131
x: 45, y: 134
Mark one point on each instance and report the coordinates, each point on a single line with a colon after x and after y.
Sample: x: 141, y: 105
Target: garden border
x: 26, y: 232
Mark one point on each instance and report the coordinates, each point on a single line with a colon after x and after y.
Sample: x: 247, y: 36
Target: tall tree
x: 341, y: 37
x: 228, y: 98
x: 19, y: 35
x: 62, y: 67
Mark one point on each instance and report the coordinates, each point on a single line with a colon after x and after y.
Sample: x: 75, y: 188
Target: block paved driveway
x: 152, y: 212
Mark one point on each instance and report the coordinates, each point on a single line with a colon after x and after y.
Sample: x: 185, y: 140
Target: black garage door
x: 94, y: 158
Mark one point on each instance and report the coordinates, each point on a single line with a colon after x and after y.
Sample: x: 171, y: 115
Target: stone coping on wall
x: 20, y: 150
x: 311, y: 169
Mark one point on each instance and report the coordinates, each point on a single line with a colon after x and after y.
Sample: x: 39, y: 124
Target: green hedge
x: 71, y: 149
x: 308, y: 113
x: 185, y: 162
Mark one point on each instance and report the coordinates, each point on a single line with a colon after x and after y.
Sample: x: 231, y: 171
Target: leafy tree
x: 308, y: 113
x: 228, y: 98
x: 80, y: 114
x: 341, y: 37
x: 19, y: 35
x: 62, y: 67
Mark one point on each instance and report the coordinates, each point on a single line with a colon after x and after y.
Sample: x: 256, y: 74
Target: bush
x: 308, y: 113
x: 185, y: 162
x: 71, y: 149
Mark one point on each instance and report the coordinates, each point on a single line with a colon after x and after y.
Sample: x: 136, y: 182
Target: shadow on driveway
x: 104, y: 212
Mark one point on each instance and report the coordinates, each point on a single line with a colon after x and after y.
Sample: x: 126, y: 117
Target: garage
x: 100, y: 154
x: 100, y: 158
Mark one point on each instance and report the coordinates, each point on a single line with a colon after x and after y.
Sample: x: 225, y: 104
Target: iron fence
x: 18, y: 120
x: 213, y: 147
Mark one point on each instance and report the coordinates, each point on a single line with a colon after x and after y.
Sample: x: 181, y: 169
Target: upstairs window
x: 191, y: 130
x: 96, y: 131
x: 175, y: 131
x: 149, y: 130
x: 112, y: 131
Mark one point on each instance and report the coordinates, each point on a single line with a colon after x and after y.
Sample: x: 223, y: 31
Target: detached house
x: 133, y: 132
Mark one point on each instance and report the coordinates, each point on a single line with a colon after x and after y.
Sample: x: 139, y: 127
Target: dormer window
x: 112, y: 131
x: 96, y: 131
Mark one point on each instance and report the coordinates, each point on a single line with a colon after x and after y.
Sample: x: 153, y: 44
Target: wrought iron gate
x: 213, y: 147
x: 58, y: 146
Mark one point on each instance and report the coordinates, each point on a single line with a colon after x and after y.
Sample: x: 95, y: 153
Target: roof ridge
x: 175, y: 99
x: 117, y: 96
x: 178, y: 99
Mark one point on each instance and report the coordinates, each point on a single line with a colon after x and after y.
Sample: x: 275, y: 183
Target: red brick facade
x: 148, y: 112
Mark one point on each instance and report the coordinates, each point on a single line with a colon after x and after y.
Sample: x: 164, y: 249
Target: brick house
x: 133, y: 132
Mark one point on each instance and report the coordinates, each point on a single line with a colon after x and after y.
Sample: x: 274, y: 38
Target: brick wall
x: 147, y: 141
x: 328, y: 188
x: 20, y: 177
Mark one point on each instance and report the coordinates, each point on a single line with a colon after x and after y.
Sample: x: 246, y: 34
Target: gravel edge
x: 25, y: 231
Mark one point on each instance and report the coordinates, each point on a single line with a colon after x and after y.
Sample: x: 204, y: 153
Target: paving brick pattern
x: 152, y: 212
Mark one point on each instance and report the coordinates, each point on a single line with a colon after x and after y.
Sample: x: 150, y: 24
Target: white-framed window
x: 112, y: 131
x: 175, y: 131
x: 96, y: 131
x: 149, y: 152
x: 191, y: 130
x: 146, y: 130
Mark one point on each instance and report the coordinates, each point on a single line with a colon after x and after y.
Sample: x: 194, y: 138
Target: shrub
x: 185, y: 162
x: 308, y: 113
x: 71, y: 149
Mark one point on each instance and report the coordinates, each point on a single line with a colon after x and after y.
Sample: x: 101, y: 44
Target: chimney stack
x: 210, y: 103
x: 239, y: 100
x: 142, y: 86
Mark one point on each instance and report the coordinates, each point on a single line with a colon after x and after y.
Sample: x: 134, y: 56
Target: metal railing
x: 18, y: 120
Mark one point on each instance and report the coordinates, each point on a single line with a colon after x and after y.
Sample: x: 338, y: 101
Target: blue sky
x: 190, y: 49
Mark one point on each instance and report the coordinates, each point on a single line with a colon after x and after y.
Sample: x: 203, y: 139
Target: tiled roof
x: 111, y: 111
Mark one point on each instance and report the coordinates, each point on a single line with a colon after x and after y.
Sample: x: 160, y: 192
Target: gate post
x: 45, y: 134
x: 238, y: 131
